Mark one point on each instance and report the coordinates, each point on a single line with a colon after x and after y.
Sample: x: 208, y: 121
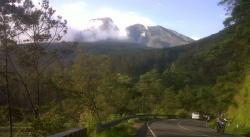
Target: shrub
x: 119, y: 131
x: 182, y: 113
x: 3, y: 115
x: 88, y: 121
x: 47, y: 124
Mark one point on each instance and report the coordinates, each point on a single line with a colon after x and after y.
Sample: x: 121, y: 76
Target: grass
x: 20, y: 129
x: 239, y: 112
x: 16, y: 133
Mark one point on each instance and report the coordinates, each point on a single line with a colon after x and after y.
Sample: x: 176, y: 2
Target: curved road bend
x: 182, y: 128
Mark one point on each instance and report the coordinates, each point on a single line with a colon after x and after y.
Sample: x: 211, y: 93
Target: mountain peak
x: 156, y: 36
x: 152, y: 36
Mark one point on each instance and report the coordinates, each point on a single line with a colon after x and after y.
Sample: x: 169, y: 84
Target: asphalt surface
x: 183, y: 128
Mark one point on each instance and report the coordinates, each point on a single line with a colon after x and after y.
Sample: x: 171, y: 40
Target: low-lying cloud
x: 84, y: 21
x: 99, y: 29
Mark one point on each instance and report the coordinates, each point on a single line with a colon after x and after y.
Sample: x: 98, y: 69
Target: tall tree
x: 8, y: 32
x: 87, y: 73
x: 41, y: 29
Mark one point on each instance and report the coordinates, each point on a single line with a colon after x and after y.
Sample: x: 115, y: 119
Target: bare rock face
x: 137, y: 33
x: 156, y: 36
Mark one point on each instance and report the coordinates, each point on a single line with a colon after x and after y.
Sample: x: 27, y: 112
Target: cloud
x: 99, y: 29
x: 79, y: 13
x: 123, y: 19
x: 79, y: 16
x: 196, y: 37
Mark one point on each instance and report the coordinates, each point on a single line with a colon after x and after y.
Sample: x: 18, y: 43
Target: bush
x: 88, y: 121
x: 48, y: 124
x: 3, y: 115
x: 212, y: 124
x: 182, y: 113
x: 119, y: 131
x: 17, y: 114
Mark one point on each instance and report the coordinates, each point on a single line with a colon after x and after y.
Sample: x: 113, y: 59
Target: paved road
x: 182, y: 128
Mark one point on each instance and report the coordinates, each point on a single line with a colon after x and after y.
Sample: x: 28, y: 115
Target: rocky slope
x: 102, y: 29
x: 156, y: 36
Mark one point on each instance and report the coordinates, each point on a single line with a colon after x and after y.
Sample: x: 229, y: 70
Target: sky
x: 193, y: 18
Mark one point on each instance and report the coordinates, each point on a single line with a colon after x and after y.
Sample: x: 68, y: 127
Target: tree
x: 169, y: 104
x: 117, y: 91
x: 40, y: 30
x: 186, y: 99
x: 150, y: 86
x: 205, y: 100
x: 8, y: 32
x: 88, y: 72
x: 239, y: 11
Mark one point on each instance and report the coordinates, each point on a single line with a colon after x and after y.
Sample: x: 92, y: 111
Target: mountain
x: 102, y: 29
x: 156, y: 36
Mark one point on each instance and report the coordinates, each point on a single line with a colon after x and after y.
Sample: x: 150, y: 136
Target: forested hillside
x: 50, y: 87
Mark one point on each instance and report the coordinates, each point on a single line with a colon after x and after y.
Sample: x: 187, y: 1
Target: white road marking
x: 180, y: 126
x: 154, y: 135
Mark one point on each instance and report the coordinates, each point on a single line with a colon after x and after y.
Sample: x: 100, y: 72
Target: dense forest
x: 51, y: 86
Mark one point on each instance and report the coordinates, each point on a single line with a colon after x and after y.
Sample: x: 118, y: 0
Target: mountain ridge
x: 158, y: 36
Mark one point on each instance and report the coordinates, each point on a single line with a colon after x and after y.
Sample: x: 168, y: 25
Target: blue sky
x: 194, y: 18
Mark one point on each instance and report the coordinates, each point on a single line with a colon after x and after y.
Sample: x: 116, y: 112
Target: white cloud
x: 195, y: 37
x: 79, y: 13
x: 124, y: 19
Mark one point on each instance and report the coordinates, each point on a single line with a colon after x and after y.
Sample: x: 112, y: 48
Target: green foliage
x: 182, y: 113
x: 17, y: 114
x: 203, y: 96
x: 49, y: 123
x: 169, y: 102
x: 238, y: 112
x: 150, y: 87
x: 212, y: 124
x: 88, y: 121
x: 119, y: 131
x: 111, y: 79
x: 3, y: 115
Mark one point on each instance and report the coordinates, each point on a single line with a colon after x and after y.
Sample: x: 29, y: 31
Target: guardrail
x: 103, y: 126
x: 146, y: 130
x: 77, y: 132
x: 82, y: 132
